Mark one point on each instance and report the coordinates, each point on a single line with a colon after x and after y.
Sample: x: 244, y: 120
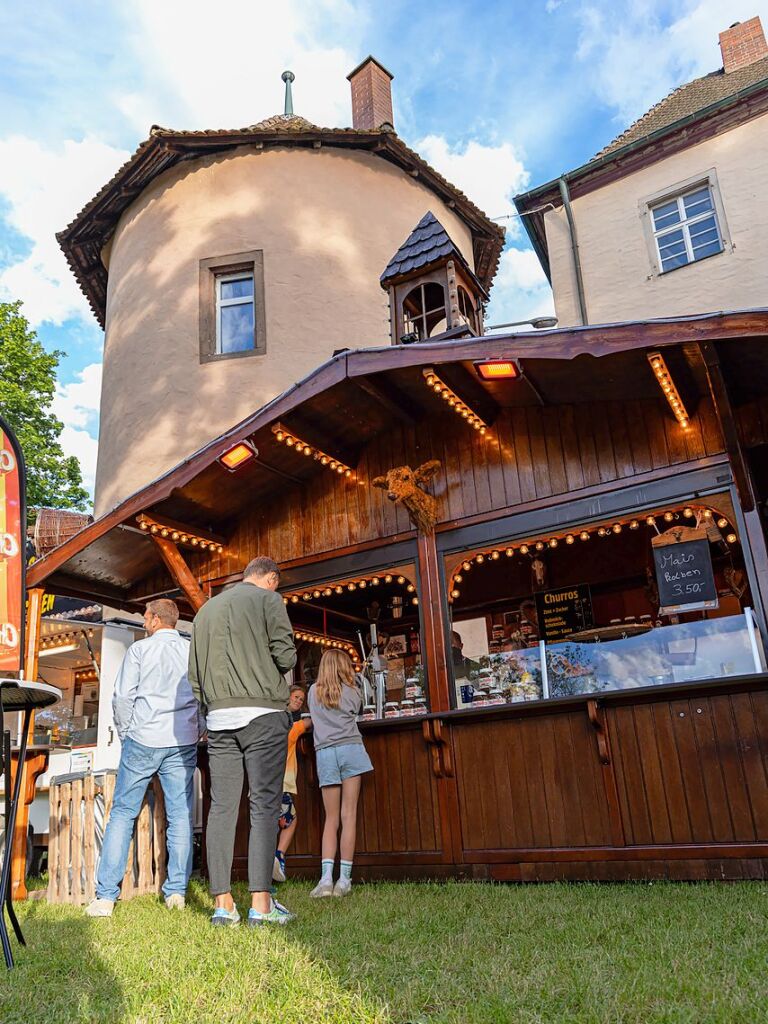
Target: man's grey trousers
x: 258, y: 750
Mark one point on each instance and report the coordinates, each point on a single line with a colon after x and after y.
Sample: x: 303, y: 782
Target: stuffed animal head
x: 406, y: 485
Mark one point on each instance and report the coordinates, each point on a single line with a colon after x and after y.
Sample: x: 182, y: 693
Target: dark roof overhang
x: 84, y: 239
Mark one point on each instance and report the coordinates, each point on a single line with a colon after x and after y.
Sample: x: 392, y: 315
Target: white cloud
x: 44, y: 187
x: 637, y: 53
x: 489, y: 175
x: 77, y: 405
x: 223, y: 70
x: 521, y: 289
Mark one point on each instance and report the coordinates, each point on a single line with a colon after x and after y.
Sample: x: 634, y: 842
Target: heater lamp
x: 238, y: 456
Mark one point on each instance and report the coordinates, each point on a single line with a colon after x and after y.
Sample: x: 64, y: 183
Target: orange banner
x: 11, y: 557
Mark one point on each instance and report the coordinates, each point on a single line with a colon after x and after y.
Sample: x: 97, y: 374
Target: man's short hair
x: 260, y: 567
x: 165, y: 609
x: 296, y: 687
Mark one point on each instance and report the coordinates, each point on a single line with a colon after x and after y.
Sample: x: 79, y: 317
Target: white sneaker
x: 343, y: 887
x: 175, y: 901
x: 323, y: 888
x: 100, y: 908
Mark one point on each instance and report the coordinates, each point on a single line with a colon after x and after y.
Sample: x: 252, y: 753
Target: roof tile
x: 689, y: 99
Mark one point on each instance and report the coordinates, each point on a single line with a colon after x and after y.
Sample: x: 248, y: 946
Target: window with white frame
x: 235, y: 314
x: 685, y: 228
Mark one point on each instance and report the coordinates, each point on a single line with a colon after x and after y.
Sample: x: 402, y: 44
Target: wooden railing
x: 72, y: 843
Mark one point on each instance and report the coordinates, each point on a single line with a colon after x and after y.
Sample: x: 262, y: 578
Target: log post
x: 432, y: 620
x: 180, y: 571
x: 721, y: 401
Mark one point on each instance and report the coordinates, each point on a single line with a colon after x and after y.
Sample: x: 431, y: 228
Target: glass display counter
x: 618, y: 660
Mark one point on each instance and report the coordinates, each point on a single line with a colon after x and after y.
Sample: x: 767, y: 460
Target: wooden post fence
x: 72, y: 843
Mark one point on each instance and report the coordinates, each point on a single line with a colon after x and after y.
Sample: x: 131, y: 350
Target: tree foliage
x: 27, y: 387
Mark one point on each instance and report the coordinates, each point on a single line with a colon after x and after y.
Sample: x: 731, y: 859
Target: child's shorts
x: 287, y: 811
x: 334, y: 764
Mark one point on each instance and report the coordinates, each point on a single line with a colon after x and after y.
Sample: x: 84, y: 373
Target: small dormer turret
x: 431, y: 287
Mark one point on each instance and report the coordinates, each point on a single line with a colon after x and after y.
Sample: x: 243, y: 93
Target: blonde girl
x: 334, y: 704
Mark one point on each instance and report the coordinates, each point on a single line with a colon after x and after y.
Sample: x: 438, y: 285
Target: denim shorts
x: 334, y: 764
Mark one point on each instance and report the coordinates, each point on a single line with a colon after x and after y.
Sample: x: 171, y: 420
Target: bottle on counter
x: 420, y: 706
x: 391, y: 709
x: 495, y: 696
x: 369, y: 712
x: 406, y: 708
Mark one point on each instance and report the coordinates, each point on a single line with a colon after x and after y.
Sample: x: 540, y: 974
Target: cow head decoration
x: 406, y: 485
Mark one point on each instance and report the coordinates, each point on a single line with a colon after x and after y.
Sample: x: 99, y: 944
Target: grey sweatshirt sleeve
x: 192, y: 671
x: 280, y: 633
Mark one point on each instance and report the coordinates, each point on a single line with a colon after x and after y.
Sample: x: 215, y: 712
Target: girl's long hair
x: 334, y: 672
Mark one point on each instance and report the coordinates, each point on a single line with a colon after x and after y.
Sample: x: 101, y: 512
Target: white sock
x: 327, y: 875
x: 346, y: 869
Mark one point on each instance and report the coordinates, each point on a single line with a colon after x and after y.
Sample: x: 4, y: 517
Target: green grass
x: 453, y: 953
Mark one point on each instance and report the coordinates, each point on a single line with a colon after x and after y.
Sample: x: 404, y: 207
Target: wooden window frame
x: 646, y: 205
x: 221, y: 266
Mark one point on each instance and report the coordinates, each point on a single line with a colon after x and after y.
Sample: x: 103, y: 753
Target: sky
x: 499, y: 97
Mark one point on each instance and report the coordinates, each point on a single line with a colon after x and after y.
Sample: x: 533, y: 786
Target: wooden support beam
x: 432, y: 622
x: 180, y: 571
x: 724, y: 411
x: 388, y: 398
x: 755, y: 539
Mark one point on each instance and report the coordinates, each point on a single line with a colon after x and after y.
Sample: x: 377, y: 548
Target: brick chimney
x: 371, y: 95
x: 743, y: 44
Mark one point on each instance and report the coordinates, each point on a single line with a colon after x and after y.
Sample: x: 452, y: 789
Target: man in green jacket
x: 242, y: 643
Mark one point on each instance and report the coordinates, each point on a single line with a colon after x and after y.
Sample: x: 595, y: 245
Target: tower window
x: 424, y: 311
x: 232, y: 319
x: 234, y: 313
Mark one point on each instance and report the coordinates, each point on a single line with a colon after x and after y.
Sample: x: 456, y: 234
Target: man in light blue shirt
x: 158, y: 721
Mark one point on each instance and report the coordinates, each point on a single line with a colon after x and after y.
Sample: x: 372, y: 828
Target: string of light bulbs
x: 178, y: 535
x: 433, y: 380
x: 349, y: 586
x: 534, y: 547
x: 291, y: 440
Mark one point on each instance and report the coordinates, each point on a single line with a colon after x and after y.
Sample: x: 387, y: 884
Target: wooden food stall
x: 556, y: 541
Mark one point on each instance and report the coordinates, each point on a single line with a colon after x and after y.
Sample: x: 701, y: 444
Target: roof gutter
x: 566, y: 197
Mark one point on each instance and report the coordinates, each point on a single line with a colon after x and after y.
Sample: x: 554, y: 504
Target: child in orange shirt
x: 287, y: 820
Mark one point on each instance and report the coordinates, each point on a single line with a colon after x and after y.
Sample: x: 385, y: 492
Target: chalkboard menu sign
x: 562, y: 612
x: 684, y: 573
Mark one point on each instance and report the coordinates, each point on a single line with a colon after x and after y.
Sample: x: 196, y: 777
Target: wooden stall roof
x: 358, y: 394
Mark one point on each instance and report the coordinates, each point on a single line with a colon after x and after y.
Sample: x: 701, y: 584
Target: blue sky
x: 498, y: 96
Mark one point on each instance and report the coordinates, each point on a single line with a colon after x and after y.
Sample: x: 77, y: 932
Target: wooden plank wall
x: 531, y: 453
x: 684, y: 795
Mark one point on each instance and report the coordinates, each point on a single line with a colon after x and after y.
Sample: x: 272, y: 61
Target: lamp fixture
x: 238, y: 456
x: 290, y: 440
x: 179, y: 534
x: 48, y: 649
x: 492, y: 369
x: 667, y: 385
x: 460, y: 407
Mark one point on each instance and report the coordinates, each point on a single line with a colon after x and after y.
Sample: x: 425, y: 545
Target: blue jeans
x: 175, y: 767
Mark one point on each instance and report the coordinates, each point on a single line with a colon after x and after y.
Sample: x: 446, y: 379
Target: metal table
x: 16, y: 695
